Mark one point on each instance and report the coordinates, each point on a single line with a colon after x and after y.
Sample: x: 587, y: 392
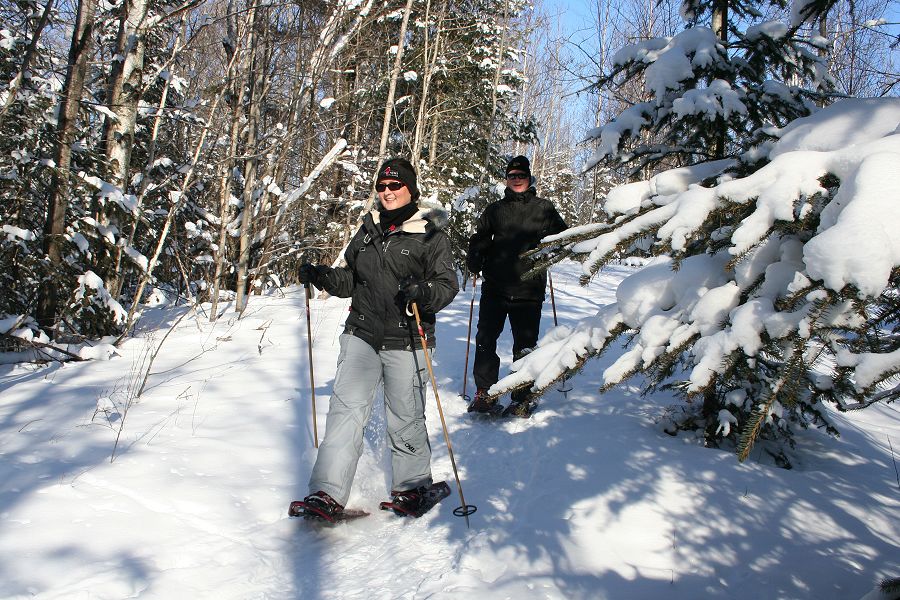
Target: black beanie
x: 519, y: 163
x: 402, y: 170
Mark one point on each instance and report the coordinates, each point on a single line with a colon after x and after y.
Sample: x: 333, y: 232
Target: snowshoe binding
x: 322, y: 507
x: 484, y: 404
x: 418, y: 501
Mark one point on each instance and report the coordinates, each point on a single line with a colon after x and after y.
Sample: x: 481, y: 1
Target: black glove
x: 413, y: 289
x: 312, y: 274
x: 473, y: 262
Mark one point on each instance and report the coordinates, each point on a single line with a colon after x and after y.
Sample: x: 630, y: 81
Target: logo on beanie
x: 389, y: 172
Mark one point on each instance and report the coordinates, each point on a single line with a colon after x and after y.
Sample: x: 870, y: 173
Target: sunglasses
x: 518, y: 176
x: 393, y: 186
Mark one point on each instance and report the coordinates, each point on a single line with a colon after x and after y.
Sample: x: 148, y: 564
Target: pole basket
x: 465, y: 510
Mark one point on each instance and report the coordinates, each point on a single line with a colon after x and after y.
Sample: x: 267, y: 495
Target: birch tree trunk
x: 432, y: 147
x: 392, y: 90
x: 603, y: 26
x: 524, y: 94
x: 125, y: 86
x: 250, y: 164
x: 501, y: 53
x: 124, y: 89
x: 720, y: 27
x: 429, y: 64
x: 116, y: 289
x: 57, y: 203
x: 822, y: 51
x: 226, y: 167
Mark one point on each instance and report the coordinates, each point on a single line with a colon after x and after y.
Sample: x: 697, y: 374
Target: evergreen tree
x: 28, y: 100
x: 751, y: 307
x: 712, y: 89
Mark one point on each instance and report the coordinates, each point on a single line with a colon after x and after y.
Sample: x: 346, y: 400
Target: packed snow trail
x: 588, y: 499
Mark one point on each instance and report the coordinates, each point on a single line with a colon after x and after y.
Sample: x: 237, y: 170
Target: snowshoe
x: 484, y: 404
x: 416, y: 502
x: 322, y: 507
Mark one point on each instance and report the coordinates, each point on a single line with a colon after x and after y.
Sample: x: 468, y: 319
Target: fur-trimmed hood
x: 418, y: 223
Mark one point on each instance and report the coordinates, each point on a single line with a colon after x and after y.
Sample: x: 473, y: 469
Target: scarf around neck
x: 393, y: 219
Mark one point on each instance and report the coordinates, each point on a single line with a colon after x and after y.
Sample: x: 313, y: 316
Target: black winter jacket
x: 505, y: 230
x: 376, y: 263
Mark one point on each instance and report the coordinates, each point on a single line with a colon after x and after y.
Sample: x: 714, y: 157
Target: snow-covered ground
x: 588, y: 499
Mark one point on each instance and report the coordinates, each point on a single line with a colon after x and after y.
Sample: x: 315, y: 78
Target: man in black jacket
x: 506, y: 229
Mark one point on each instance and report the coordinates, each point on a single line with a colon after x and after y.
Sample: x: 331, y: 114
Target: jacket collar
x: 512, y: 196
x: 414, y: 224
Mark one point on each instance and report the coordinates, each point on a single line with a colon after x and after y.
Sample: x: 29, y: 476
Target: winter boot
x: 483, y: 403
x: 321, y: 505
x: 416, y: 502
x: 522, y: 404
x: 408, y: 502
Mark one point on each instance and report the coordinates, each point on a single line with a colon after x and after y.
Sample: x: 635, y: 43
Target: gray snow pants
x: 359, y: 371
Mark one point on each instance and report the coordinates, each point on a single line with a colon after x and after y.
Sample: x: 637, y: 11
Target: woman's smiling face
x: 393, y: 199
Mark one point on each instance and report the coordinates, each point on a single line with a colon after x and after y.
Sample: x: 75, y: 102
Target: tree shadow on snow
x: 593, y: 488
x: 36, y: 458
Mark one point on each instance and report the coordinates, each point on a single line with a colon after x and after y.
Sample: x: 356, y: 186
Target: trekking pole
x: 552, y: 298
x: 469, y: 338
x: 312, y: 378
x: 562, y: 385
x: 463, y: 510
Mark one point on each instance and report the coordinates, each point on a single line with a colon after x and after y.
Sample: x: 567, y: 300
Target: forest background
x: 201, y: 150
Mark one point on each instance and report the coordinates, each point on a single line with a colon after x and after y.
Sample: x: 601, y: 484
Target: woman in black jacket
x: 398, y: 256
x: 505, y: 230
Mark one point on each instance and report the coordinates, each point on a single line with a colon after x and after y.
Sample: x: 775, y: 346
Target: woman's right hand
x: 311, y: 274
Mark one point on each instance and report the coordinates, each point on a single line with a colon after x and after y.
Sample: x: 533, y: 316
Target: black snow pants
x: 524, y: 321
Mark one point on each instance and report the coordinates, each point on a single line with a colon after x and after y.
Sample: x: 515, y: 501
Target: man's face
x: 391, y: 199
x: 517, y: 181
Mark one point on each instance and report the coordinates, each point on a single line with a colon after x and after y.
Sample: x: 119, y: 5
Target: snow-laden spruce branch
x: 791, y: 269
